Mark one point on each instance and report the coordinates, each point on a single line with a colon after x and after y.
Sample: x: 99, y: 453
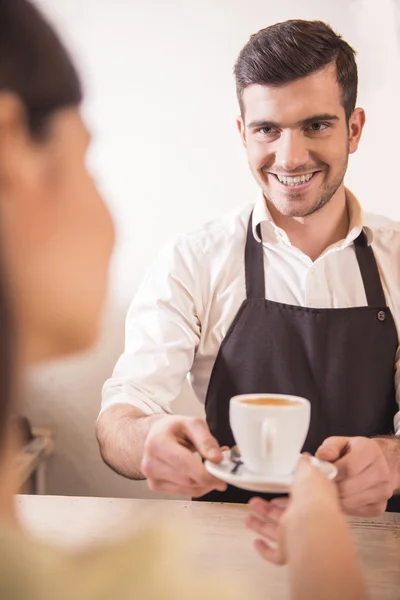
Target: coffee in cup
x: 273, y: 401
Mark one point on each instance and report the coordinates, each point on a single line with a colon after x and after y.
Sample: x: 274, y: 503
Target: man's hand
x: 169, y: 462
x: 364, y: 479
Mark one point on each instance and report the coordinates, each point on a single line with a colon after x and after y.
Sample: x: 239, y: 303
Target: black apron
x: 341, y: 359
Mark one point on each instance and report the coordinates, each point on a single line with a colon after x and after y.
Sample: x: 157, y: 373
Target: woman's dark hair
x: 287, y: 51
x: 35, y: 66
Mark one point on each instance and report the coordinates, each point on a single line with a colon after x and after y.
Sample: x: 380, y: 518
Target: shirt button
x: 312, y: 271
x: 381, y: 316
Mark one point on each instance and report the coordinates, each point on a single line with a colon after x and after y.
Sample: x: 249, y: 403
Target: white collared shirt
x: 184, y: 307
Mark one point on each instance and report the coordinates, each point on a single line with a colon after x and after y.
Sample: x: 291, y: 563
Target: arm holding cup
x: 160, y: 448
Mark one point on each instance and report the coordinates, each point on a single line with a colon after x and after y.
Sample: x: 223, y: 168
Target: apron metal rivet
x: 381, y: 315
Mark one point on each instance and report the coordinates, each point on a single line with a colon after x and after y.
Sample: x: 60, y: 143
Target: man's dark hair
x: 34, y: 64
x: 287, y: 51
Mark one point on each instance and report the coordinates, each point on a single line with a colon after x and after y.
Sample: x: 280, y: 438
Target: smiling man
x: 298, y: 294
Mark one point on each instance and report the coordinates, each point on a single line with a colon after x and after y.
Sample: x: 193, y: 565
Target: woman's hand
x: 313, y: 497
x: 310, y: 533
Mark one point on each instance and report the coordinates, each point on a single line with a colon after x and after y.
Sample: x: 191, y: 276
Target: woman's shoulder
x: 154, y: 564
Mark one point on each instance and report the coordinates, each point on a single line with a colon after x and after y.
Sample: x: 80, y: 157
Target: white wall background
x: 161, y: 103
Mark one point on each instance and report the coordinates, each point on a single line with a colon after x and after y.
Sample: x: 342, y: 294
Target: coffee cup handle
x: 268, y: 438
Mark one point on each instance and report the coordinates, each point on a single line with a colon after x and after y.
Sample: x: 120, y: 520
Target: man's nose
x: 292, y: 151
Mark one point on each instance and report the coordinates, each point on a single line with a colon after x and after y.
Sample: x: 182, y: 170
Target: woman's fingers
x: 271, y: 553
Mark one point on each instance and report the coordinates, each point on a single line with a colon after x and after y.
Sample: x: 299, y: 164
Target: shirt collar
x: 271, y: 233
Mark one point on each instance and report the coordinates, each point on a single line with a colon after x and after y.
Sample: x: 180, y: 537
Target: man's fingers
x: 158, y: 470
x: 181, y: 468
x: 332, y: 448
x: 353, y: 465
x: 203, y: 441
x: 367, y: 510
x: 363, y: 509
x: 169, y: 487
x: 169, y: 462
x: 159, y: 485
x: 365, y: 481
x: 182, y: 460
x: 362, y: 455
x: 373, y: 498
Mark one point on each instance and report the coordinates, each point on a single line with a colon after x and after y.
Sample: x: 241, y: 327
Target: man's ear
x: 356, y: 126
x: 242, y: 130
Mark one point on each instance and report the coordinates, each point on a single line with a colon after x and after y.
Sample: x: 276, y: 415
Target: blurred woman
x: 56, y: 238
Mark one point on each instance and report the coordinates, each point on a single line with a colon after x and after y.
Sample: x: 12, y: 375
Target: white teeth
x: 295, y: 180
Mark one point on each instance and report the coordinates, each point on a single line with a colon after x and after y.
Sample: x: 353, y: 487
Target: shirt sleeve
x: 386, y: 247
x: 162, y: 333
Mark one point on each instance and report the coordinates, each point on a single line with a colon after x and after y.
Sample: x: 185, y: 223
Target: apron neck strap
x: 255, y: 277
x: 254, y: 263
x: 369, y: 272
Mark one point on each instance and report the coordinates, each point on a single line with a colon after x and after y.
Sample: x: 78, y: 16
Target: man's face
x: 297, y: 141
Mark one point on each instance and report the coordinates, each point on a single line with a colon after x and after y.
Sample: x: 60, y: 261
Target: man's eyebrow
x: 301, y: 123
x: 317, y: 118
x: 261, y: 124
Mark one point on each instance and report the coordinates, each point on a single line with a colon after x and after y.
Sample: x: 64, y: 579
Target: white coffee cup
x: 270, y: 436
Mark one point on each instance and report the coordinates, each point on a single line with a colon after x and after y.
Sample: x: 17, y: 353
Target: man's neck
x: 315, y: 233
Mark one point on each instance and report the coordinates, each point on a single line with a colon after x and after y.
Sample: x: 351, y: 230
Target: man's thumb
x: 332, y: 448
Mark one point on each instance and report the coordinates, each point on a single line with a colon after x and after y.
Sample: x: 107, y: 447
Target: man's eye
x: 318, y: 126
x: 266, y: 130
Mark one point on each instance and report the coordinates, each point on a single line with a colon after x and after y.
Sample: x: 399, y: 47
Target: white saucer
x: 247, y: 480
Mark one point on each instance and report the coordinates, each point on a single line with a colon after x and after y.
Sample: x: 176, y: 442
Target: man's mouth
x: 297, y: 180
